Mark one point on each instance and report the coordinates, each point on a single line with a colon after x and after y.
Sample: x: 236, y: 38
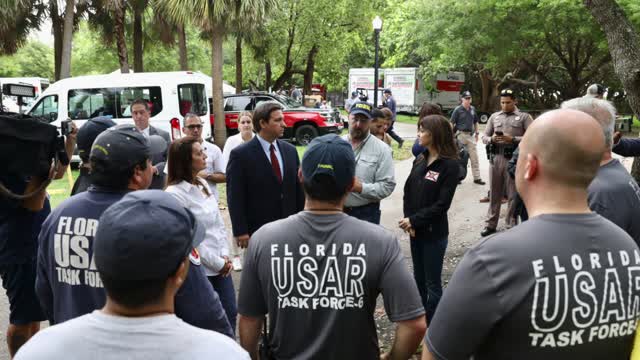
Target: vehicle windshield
x: 287, y: 101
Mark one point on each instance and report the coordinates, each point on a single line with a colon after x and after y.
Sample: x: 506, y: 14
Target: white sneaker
x: 237, y: 264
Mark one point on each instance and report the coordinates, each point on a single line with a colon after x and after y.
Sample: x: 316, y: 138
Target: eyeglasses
x: 194, y: 126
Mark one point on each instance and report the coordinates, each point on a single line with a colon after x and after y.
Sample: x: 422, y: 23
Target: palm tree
x: 17, y: 19
x: 215, y: 17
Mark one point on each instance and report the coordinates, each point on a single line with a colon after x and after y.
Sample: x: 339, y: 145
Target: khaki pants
x: 469, y: 141
x: 501, y: 182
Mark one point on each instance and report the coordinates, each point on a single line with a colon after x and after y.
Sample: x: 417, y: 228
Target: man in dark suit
x: 140, y: 113
x: 262, y: 176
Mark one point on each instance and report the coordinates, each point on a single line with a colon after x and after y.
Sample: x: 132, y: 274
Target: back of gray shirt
x: 318, y: 277
x: 615, y: 195
x: 561, y: 286
x: 107, y: 337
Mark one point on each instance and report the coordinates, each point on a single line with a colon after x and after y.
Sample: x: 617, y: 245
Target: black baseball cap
x: 354, y: 93
x: 508, y: 93
x: 123, y: 146
x: 361, y: 107
x: 145, y: 236
x: 466, y: 94
x: 387, y: 91
x: 329, y: 155
x: 89, y: 132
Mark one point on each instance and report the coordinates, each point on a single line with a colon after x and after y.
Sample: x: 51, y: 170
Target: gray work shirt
x: 464, y: 119
x: 374, y: 168
x: 615, y: 195
x: 318, y: 277
x: 559, y: 286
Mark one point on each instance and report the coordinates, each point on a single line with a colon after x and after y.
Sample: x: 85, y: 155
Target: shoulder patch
x: 194, y: 257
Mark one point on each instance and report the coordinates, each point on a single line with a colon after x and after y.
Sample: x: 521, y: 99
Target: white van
x: 170, y: 95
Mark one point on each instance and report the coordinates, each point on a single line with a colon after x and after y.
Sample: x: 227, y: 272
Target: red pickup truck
x: 303, y: 124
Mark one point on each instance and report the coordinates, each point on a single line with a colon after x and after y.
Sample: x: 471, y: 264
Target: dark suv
x: 303, y: 124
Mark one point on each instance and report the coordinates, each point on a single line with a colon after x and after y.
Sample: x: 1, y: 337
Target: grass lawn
x: 407, y: 119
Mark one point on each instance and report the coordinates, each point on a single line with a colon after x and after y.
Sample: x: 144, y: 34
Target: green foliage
x: 34, y: 59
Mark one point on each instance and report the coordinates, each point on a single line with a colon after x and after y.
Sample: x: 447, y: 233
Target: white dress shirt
x: 214, y: 164
x: 205, y: 208
x: 232, y: 143
x: 266, y: 146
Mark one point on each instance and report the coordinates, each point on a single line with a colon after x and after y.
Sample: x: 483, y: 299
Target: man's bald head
x: 602, y: 110
x: 563, y: 156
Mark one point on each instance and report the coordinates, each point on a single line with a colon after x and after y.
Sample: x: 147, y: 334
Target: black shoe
x: 479, y: 182
x: 487, y: 231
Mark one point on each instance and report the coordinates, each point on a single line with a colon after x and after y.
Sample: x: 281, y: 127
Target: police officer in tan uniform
x: 503, y: 133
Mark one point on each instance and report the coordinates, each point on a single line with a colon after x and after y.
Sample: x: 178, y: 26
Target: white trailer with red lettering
x: 410, y: 91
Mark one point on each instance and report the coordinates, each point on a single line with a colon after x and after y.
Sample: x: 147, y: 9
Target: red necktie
x: 275, y: 164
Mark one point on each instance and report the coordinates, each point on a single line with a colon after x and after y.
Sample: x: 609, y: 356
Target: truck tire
x: 484, y: 117
x: 305, y: 133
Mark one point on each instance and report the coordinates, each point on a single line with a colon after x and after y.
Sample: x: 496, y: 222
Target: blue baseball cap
x: 121, y: 147
x: 361, y: 107
x: 89, y: 132
x: 145, y: 236
x: 329, y: 155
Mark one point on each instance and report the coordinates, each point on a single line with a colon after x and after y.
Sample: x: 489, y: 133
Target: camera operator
x: 20, y: 222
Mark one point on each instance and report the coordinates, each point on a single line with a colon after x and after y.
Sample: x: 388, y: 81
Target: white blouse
x: 205, y: 208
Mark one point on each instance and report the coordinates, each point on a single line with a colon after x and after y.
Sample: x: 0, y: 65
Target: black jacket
x: 428, y: 193
x: 254, y: 195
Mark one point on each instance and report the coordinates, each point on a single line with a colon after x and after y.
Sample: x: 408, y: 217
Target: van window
x: 125, y: 96
x: 46, y: 107
x: 89, y: 103
x: 192, y: 99
x: 238, y: 103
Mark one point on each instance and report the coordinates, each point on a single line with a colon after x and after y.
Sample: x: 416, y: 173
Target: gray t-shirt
x: 615, y: 195
x: 559, y: 286
x: 318, y: 277
x: 106, y: 337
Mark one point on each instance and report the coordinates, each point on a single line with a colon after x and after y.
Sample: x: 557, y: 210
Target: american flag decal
x: 432, y: 175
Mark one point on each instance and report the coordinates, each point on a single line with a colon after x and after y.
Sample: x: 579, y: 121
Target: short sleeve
x: 470, y: 306
x: 401, y: 298
x: 251, y: 300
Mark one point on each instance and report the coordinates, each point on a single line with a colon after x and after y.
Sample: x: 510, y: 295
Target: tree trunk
x: 137, y: 41
x: 67, y: 38
x: 267, y: 74
x: 624, y: 46
x: 57, y: 29
x: 308, y: 73
x: 123, y: 56
x: 220, y: 129
x: 238, y: 64
x: 182, y: 48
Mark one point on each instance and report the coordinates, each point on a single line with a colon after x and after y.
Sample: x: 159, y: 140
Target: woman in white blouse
x: 245, y: 128
x: 186, y: 159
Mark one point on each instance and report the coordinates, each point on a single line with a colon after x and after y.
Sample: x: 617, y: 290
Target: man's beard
x: 358, y: 134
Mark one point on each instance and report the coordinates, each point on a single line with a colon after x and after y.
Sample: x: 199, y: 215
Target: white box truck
x: 410, y: 91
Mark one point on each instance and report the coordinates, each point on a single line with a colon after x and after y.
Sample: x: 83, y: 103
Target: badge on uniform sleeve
x: 432, y: 175
x: 194, y: 257
x: 517, y: 118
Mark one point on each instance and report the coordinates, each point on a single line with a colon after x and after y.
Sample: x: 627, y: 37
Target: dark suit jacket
x: 164, y: 134
x: 627, y: 147
x: 254, y: 194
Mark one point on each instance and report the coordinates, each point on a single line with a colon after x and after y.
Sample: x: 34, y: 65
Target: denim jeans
x: 224, y: 287
x: 370, y: 213
x: 428, y: 257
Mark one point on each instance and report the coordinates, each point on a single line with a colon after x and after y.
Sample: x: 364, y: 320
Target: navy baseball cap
x: 465, y: 94
x: 361, y: 107
x: 354, y: 93
x: 89, y: 132
x: 329, y: 155
x: 123, y: 146
x: 145, y: 236
x: 387, y: 91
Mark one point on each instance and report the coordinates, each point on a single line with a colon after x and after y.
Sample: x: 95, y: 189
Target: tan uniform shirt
x: 513, y: 124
